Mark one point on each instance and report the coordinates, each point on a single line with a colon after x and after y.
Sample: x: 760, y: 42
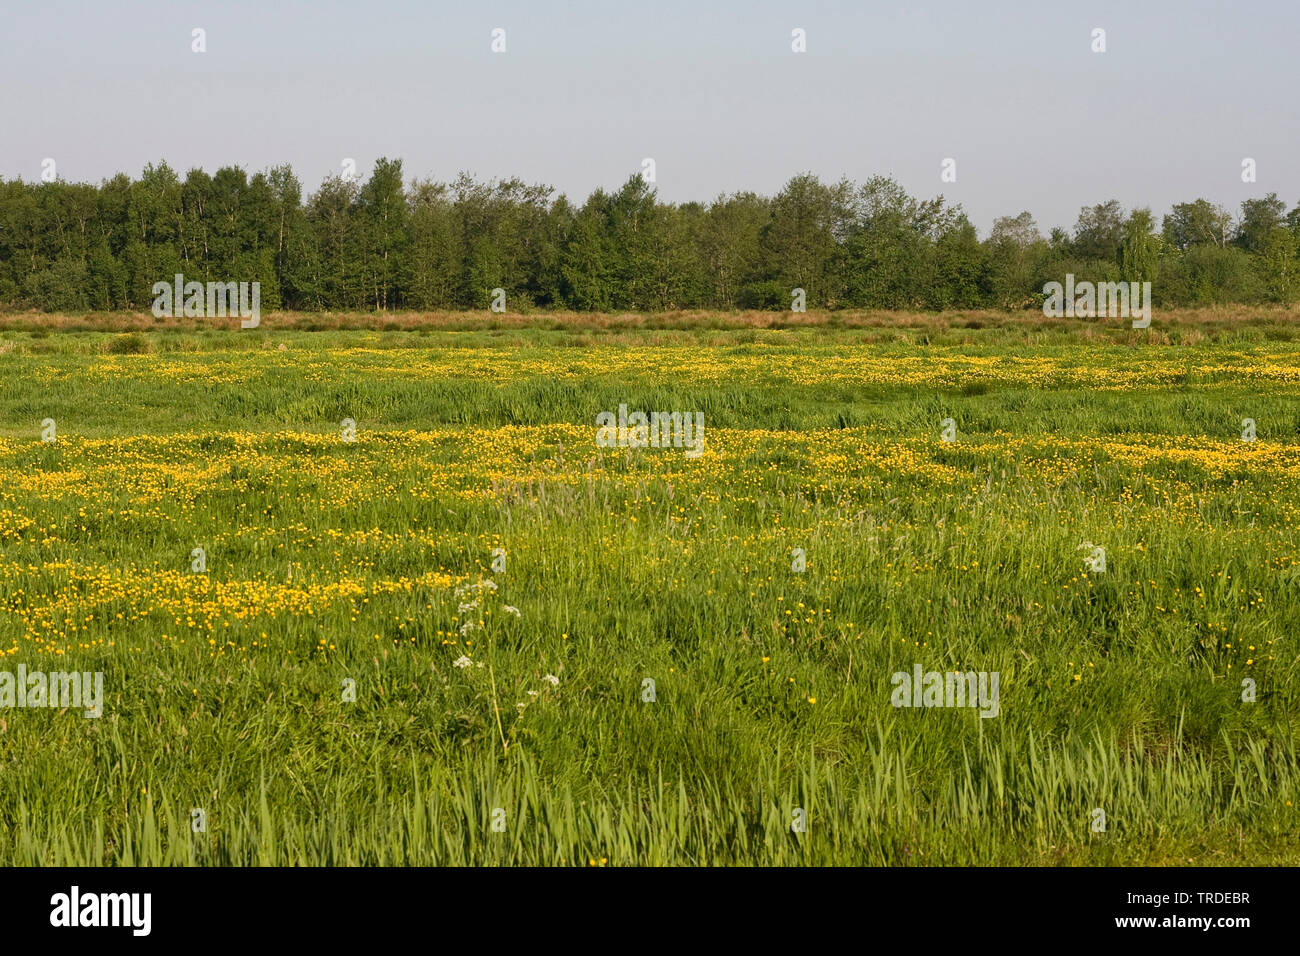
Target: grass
x: 304, y: 690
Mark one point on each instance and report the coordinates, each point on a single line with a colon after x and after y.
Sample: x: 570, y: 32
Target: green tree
x: 730, y: 246
x: 1099, y: 232
x: 961, y: 277
x: 1013, y: 250
x: 1197, y: 223
x: 334, y: 255
x: 383, y: 213
x: 1259, y: 217
x: 587, y: 267
x: 1140, y: 252
x: 1278, y: 267
x: 800, y: 242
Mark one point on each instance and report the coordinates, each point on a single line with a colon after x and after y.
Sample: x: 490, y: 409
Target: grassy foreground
x: 342, y: 684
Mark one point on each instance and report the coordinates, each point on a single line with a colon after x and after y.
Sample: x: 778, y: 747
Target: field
x: 340, y: 684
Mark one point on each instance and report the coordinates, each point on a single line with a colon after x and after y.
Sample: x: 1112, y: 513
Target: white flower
x: 467, y: 627
x: 555, y: 681
x: 532, y: 693
x: 479, y: 586
x: 462, y: 661
x: 467, y: 607
x: 512, y: 610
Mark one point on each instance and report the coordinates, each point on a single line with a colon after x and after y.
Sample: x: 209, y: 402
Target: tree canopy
x: 386, y: 243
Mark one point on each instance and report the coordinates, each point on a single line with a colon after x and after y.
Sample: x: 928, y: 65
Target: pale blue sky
x: 710, y: 90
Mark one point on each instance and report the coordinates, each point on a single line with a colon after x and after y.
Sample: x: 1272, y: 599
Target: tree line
x: 388, y: 244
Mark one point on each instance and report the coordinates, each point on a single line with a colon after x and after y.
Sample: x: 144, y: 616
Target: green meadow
x: 370, y: 593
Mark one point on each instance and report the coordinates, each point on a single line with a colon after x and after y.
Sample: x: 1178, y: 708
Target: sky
x: 711, y: 91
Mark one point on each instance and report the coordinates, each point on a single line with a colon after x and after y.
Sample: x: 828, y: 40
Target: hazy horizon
x: 1034, y: 119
